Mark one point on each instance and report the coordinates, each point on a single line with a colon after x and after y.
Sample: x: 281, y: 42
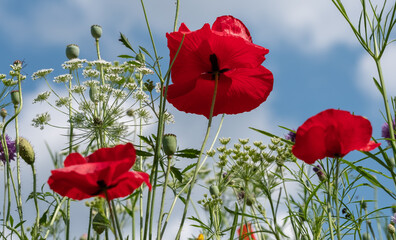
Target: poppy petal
x: 74, y: 159
x: 332, y: 133
x: 231, y: 26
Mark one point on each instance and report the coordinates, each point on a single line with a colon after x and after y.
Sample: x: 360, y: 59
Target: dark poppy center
x: 102, y: 187
x: 215, y: 66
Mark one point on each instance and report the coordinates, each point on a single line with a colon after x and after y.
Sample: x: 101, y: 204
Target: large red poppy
x: 332, y: 133
x: 247, y: 235
x: 225, y: 49
x: 107, y: 169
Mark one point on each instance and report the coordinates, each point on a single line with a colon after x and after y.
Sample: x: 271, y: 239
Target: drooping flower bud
x: 96, y: 31
x: 26, y: 151
x: 3, y: 113
x: 15, y: 97
x: 214, y: 190
x: 169, y: 144
x: 100, y: 223
x: 130, y: 112
x: 72, y: 51
x: 321, y: 175
x: 141, y: 58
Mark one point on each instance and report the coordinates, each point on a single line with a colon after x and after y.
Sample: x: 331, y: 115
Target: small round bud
x: 26, y: 151
x: 17, y: 62
x: 169, y: 144
x: 72, y: 51
x: 100, y: 223
x: 214, y: 190
x: 391, y: 228
x: 93, y: 94
x: 130, y: 112
x: 15, y: 97
x: 250, y: 200
x: 3, y: 113
x: 96, y: 31
x: 141, y: 58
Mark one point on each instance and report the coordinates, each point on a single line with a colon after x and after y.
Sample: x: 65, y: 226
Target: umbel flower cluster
x: 138, y: 181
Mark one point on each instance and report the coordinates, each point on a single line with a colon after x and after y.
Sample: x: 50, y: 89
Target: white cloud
x: 366, y: 70
x: 309, y: 25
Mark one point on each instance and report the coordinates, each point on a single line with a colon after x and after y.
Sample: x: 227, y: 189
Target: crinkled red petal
x: 231, y: 26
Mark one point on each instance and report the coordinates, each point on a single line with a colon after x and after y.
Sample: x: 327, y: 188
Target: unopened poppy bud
x: 391, y: 228
x: 169, y: 143
x: 214, y: 190
x: 93, y: 93
x: 72, y: 51
x: 141, y: 58
x: 15, y: 97
x: 26, y: 151
x: 96, y: 31
x: 3, y: 113
x: 100, y: 223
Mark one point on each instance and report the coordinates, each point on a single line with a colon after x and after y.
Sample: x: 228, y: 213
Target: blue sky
x: 316, y: 61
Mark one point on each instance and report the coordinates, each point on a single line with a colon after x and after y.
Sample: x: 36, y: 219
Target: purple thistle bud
x: 11, y: 149
x: 291, y: 136
x: 318, y: 170
x: 385, y: 131
x: 393, y: 219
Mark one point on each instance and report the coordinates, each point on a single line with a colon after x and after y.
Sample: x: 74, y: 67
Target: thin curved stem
x: 199, y: 158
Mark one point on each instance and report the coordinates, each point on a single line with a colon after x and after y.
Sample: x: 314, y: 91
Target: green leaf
x: 143, y: 153
x: 43, y: 219
x: 126, y: 42
x: 145, y: 51
x: 189, y: 167
x: 370, y: 178
x: 188, y: 153
x: 125, y: 56
x: 272, y: 135
x: 176, y: 172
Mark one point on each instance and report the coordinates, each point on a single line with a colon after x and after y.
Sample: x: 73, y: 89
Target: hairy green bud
x: 26, y: 151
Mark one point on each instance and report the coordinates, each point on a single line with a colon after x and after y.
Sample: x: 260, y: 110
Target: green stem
x: 163, y: 197
x: 118, y: 227
x: 176, y: 15
x: 114, y: 230
x: 89, y: 224
x: 199, y: 158
x: 337, y: 176
x: 330, y: 219
x: 291, y: 215
x: 37, y: 223
x: 54, y: 216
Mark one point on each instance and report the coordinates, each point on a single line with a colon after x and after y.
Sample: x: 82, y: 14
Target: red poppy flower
x: 105, y: 169
x: 245, y: 234
x: 225, y: 49
x: 332, y: 133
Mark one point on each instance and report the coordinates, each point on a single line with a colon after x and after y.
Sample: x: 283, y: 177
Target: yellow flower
x: 200, y: 237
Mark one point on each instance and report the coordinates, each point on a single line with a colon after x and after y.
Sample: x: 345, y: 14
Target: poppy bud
x: 141, y: 58
x: 214, y: 190
x: 93, y: 94
x: 15, y: 97
x: 169, y: 144
x: 72, y: 51
x: 26, y: 151
x: 96, y: 31
x: 391, y: 228
x: 100, y: 223
x: 3, y: 113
